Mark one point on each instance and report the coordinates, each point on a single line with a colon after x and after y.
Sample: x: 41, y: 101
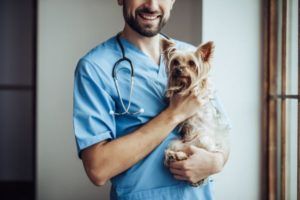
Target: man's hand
x: 199, y: 165
x: 183, y: 107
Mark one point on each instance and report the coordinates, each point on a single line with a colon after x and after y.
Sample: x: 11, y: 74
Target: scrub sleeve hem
x: 94, y: 140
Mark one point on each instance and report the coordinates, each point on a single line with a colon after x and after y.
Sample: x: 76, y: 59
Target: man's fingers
x: 178, y: 172
x: 192, y: 149
x: 180, y: 165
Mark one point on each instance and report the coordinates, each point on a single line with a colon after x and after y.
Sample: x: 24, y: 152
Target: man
x: 128, y: 148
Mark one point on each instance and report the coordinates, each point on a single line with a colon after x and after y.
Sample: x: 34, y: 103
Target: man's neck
x: 149, y: 45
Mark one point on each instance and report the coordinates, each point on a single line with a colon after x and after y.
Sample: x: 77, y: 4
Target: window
x: 281, y: 102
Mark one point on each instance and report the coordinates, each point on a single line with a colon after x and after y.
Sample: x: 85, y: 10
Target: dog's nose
x: 178, y: 71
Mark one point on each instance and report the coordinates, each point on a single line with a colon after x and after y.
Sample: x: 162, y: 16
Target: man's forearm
x: 107, y: 160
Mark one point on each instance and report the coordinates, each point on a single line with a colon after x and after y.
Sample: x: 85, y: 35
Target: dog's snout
x: 178, y: 70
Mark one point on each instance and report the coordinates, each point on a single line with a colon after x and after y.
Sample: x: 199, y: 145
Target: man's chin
x: 147, y: 32
x: 149, y: 29
x: 145, y: 29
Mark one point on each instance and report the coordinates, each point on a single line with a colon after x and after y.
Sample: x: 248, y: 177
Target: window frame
x: 270, y: 100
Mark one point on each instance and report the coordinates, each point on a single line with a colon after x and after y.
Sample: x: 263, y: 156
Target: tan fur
x: 189, y: 71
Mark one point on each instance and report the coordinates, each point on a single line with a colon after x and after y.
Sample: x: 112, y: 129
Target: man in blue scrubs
x: 129, y: 149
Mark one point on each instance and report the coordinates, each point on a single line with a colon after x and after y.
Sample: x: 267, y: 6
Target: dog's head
x: 186, y: 69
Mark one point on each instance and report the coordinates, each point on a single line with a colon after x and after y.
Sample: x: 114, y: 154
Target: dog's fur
x: 188, y: 72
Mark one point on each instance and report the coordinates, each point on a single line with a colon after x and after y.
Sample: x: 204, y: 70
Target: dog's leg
x: 188, y: 132
x: 171, y: 156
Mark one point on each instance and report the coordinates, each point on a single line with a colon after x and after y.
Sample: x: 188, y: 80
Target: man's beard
x: 147, y: 30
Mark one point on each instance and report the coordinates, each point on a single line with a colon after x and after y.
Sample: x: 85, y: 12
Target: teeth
x: 149, y: 17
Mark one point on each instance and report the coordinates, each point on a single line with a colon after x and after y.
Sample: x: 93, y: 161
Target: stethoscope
x: 115, y: 77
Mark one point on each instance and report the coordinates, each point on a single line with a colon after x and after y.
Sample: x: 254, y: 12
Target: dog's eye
x: 191, y: 63
x: 175, y: 62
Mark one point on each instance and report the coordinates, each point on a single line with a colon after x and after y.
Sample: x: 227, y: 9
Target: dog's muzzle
x: 178, y: 71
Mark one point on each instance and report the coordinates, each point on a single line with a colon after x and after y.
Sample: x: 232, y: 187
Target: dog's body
x: 188, y: 72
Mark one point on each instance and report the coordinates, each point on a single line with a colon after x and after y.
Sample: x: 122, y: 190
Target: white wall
x: 234, y: 26
x: 186, y: 21
x: 67, y: 29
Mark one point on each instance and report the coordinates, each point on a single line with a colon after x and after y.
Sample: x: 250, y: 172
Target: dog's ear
x: 168, y: 47
x: 205, y: 51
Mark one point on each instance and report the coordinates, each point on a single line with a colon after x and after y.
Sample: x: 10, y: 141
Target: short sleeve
x: 92, y: 122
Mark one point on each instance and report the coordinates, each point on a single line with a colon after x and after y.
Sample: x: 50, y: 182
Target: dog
x: 188, y: 72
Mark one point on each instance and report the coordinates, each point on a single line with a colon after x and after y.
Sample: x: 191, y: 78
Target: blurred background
x: 40, y: 44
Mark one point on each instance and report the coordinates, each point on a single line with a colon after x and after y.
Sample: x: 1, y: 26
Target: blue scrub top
x: 95, y: 96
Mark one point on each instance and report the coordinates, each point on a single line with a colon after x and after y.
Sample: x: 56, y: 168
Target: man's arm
x: 105, y: 160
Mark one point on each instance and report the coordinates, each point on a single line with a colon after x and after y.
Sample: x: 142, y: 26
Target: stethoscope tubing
x: 115, y: 77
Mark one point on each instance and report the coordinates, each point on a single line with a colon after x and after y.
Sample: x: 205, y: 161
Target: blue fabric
x: 95, y: 95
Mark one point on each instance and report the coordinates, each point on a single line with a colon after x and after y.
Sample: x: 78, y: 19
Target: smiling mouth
x: 148, y: 16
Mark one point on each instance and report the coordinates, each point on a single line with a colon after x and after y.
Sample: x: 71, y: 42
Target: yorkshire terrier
x: 188, y: 72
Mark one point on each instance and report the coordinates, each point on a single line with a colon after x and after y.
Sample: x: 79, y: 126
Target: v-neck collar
x: 128, y: 45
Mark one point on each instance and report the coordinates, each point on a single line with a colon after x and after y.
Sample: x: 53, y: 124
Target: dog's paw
x: 171, y: 156
x: 181, y: 156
